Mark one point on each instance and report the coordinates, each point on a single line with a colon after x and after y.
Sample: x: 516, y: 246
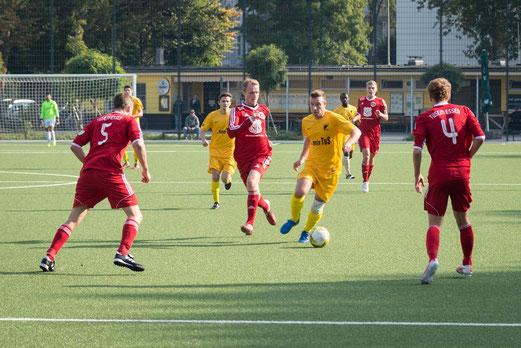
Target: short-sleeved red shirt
x: 369, y: 121
x: 448, y: 131
x: 109, y: 136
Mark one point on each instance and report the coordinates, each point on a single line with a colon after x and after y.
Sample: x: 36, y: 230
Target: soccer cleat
x: 216, y: 206
x: 136, y: 166
x: 54, y: 143
x: 269, y: 214
x: 247, y: 229
x: 465, y: 270
x: 125, y: 165
x: 228, y: 185
x: 304, y: 237
x: 128, y: 261
x: 365, y: 186
x: 349, y: 176
x: 48, y: 145
x: 47, y: 265
x: 288, y: 225
x: 426, y: 277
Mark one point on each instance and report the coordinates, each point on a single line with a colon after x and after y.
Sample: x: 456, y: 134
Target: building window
x: 357, y: 84
x: 298, y: 84
x: 515, y: 84
x: 141, y: 93
x: 391, y: 84
x: 337, y: 84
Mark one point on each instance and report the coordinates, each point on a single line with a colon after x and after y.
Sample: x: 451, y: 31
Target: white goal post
x: 80, y: 98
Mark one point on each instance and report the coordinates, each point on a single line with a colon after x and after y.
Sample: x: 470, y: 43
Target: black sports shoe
x: 228, y: 185
x: 47, y: 265
x: 128, y: 261
x: 216, y: 206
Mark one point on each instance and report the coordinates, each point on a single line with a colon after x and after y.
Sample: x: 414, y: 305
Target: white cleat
x: 426, y: 277
x: 465, y: 270
x: 365, y: 186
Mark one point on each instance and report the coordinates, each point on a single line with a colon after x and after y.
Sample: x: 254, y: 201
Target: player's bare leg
x: 62, y: 235
x: 129, y: 233
x: 467, y: 241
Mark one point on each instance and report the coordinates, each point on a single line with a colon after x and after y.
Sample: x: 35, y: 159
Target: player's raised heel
x: 47, y: 265
x: 228, y: 185
x: 304, y: 237
x: 427, y: 276
x: 247, y: 229
x: 465, y: 270
x: 128, y: 262
x: 288, y: 225
x: 269, y: 214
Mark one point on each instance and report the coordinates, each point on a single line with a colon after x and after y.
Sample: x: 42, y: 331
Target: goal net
x: 80, y: 99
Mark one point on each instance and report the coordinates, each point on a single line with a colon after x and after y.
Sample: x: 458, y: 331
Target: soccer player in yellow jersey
x: 137, y: 112
x: 221, y: 146
x: 324, y: 133
x: 351, y: 114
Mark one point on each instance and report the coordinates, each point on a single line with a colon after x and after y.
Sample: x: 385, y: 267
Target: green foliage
x: 339, y: 29
x: 75, y: 43
x: 3, y: 69
x: 484, y: 22
x: 450, y: 72
x: 92, y: 62
x: 267, y: 64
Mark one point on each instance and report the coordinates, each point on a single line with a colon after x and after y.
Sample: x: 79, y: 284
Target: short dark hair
x: 343, y: 94
x: 317, y: 93
x: 225, y: 94
x: 127, y: 86
x: 47, y: 93
x: 122, y: 101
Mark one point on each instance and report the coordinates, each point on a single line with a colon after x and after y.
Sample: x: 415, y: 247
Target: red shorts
x: 370, y: 141
x: 95, y: 185
x: 444, y: 183
x: 259, y: 164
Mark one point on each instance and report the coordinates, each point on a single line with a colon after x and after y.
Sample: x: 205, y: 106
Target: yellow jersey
x: 138, y: 105
x: 326, y: 139
x: 221, y: 145
x: 348, y: 112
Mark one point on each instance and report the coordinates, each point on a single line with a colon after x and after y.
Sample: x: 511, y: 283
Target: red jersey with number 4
x: 448, y: 131
x: 367, y: 110
x: 251, y: 140
x: 109, y: 136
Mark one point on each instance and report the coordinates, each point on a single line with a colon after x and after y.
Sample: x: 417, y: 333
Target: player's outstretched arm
x: 476, y: 144
x: 203, y: 137
x: 303, y: 155
x: 141, y: 153
x: 355, y: 135
x: 419, y: 182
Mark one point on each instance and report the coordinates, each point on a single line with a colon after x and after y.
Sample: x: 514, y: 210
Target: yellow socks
x: 312, y: 221
x: 215, y: 191
x: 296, y: 207
x: 125, y: 157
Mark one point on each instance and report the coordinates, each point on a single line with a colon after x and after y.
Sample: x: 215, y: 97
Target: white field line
x: 50, y: 152
x: 33, y: 173
x: 33, y: 186
x: 262, y: 322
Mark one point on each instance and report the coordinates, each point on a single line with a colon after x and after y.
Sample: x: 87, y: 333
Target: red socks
x: 262, y: 203
x: 127, y: 236
x: 61, y: 236
x: 433, y: 242
x: 367, y: 170
x: 466, y: 236
x: 253, y: 202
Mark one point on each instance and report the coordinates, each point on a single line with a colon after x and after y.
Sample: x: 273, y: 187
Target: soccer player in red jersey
x: 252, y: 149
x: 102, y: 177
x: 453, y: 136
x: 372, y: 109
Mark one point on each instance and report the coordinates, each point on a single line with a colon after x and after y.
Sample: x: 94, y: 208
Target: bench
x: 294, y: 120
x: 397, y: 123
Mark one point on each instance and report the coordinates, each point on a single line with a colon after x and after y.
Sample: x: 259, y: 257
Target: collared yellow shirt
x: 221, y: 145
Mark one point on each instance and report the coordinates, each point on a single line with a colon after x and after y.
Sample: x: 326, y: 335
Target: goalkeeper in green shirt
x: 50, y: 116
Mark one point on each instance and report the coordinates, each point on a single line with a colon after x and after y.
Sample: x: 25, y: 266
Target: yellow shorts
x: 324, y: 182
x: 222, y: 164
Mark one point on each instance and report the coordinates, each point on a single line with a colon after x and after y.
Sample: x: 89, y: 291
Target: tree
x: 92, y: 62
x: 450, y: 72
x: 339, y: 30
x: 3, y: 69
x: 267, y: 64
x: 484, y: 22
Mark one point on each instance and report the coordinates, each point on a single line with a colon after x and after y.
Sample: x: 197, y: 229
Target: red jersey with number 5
x: 448, y: 131
x: 251, y: 140
x: 109, y: 136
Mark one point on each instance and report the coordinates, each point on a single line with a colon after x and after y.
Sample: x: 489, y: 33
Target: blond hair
x: 371, y: 82
x: 247, y: 82
x: 439, y: 89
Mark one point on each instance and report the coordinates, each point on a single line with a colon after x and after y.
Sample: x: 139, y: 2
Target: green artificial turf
x: 362, y: 289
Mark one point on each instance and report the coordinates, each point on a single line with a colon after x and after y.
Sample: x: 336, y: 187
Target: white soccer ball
x: 319, y: 237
